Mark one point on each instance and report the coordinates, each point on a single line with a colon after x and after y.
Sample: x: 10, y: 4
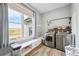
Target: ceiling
x: 45, y: 7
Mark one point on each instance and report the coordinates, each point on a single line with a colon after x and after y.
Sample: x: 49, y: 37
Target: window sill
x: 22, y: 40
x: 28, y: 43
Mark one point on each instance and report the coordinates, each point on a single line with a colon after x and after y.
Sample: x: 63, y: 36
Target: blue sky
x: 14, y: 16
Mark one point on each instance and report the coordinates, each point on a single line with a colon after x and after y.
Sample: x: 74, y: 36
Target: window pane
x: 27, y: 26
x: 20, y: 24
x: 15, y: 30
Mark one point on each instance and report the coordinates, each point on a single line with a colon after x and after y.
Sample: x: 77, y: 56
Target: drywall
x: 54, y: 14
x: 59, y: 23
x: 37, y: 21
x: 38, y: 25
x: 75, y: 21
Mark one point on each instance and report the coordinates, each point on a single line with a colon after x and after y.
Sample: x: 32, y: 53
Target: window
x: 28, y: 26
x: 21, y: 25
x: 15, y: 27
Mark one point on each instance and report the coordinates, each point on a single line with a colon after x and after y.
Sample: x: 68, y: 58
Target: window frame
x: 23, y: 38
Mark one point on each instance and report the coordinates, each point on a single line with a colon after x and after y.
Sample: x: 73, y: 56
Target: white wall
x: 38, y: 24
x: 38, y: 20
x: 54, y: 14
x: 75, y: 21
x: 59, y: 23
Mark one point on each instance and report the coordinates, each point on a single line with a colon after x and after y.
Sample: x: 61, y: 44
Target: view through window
x: 20, y: 25
x: 15, y: 27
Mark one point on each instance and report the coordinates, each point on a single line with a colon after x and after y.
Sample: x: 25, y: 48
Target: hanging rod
x: 61, y: 18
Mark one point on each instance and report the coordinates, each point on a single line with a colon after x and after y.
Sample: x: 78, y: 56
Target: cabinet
x: 29, y: 46
x: 60, y: 42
